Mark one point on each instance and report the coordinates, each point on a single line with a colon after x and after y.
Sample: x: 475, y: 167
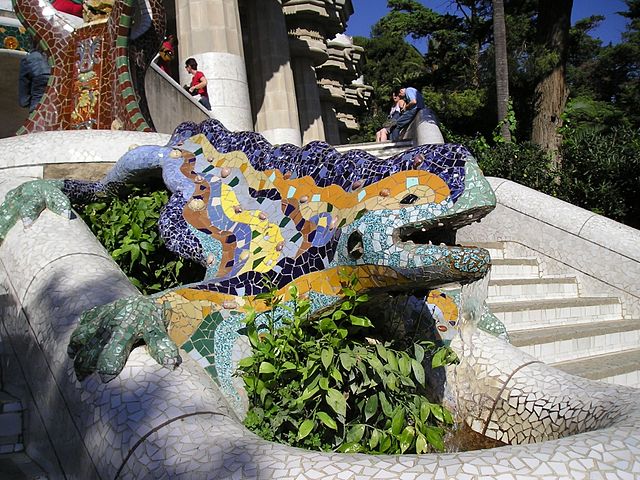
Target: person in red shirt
x: 198, y: 82
x: 72, y: 7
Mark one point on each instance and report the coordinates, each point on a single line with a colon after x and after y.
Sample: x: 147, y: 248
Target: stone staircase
x: 551, y: 318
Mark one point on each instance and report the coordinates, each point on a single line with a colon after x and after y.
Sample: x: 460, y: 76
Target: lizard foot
x: 29, y: 200
x: 107, y: 333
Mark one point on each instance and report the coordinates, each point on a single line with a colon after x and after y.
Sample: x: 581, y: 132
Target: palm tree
x: 502, y: 69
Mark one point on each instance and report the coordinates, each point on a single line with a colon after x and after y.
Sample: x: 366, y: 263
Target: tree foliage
x: 457, y: 78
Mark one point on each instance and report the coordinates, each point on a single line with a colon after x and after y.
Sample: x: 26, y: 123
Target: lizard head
x: 408, y: 221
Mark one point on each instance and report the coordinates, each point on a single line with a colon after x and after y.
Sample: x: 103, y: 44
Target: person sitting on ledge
x: 389, y: 125
x: 413, y: 104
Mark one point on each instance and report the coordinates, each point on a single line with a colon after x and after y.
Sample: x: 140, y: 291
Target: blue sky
x: 368, y: 12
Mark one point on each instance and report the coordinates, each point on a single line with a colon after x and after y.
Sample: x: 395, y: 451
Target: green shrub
x: 523, y: 162
x: 128, y: 229
x: 318, y: 383
x: 601, y: 172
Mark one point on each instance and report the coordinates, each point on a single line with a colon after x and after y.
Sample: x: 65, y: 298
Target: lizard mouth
x: 440, y: 231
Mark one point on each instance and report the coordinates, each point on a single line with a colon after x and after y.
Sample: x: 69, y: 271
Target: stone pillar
x: 307, y: 24
x: 273, y: 92
x: 331, y: 129
x: 343, y: 97
x: 309, y: 108
x: 209, y: 31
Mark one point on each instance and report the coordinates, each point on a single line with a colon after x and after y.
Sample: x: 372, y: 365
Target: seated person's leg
x: 405, y: 119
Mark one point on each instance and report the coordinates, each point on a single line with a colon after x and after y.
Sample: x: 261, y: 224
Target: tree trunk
x: 502, y: 69
x: 554, y: 22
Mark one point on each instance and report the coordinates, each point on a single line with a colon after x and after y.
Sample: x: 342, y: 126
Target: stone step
x: 529, y: 314
x: 18, y: 466
x: 515, y: 289
x: 514, y: 268
x: 11, y: 439
x: 571, y: 342
x: 621, y: 367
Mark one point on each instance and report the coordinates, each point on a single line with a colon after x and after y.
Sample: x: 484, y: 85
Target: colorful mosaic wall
x: 257, y: 215
x: 95, y: 79
x: 14, y: 38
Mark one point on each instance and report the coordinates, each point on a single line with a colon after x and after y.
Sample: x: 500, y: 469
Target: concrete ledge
x: 424, y: 129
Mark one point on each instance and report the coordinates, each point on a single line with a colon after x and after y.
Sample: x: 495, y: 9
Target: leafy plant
x: 319, y: 383
x: 128, y: 229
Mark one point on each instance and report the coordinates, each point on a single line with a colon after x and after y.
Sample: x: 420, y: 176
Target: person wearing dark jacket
x: 34, y: 75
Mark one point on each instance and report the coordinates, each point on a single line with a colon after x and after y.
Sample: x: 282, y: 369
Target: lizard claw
x: 107, y: 333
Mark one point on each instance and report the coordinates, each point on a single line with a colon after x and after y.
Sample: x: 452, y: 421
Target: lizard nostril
x: 355, y: 247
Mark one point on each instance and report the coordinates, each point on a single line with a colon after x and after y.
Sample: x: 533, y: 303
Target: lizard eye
x: 409, y: 199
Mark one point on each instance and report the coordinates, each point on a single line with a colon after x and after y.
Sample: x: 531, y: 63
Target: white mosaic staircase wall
x: 565, y: 281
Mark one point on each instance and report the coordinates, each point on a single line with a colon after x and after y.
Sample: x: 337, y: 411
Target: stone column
x: 273, y: 93
x: 311, y: 123
x: 209, y: 31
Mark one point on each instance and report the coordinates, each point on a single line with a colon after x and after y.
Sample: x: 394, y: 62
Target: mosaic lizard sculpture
x: 97, y: 75
x: 258, y: 215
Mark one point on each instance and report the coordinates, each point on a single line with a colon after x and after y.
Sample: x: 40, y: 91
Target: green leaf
x: 406, y: 438
x: 336, y: 375
x: 327, y: 357
x: 385, y: 442
x: 434, y: 437
x: 397, y: 422
x: 371, y: 407
x: 266, y: 367
x: 336, y: 401
x: 437, y: 411
x: 347, y: 361
x: 288, y: 365
x: 384, y: 403
x: 404, y: 364
x: 392, y: 360
x: 305, y: 428
x: 418, y: 372
x: 421, y: 444
x: 308, y: 393
x: 355, y: 433
x: 382, y: 352
x: 360, y: 321
x: 375, y: 438
x: 350, y: 447
x: 419, y: 352
x: 323, y: 383
x: 246, y: 362
x: 425, y: 410
x: 327, y: 420
x: 444, y: 356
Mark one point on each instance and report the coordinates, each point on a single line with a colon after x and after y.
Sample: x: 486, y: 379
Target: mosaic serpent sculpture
x: 365, y: 214
x: 97, y: 75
